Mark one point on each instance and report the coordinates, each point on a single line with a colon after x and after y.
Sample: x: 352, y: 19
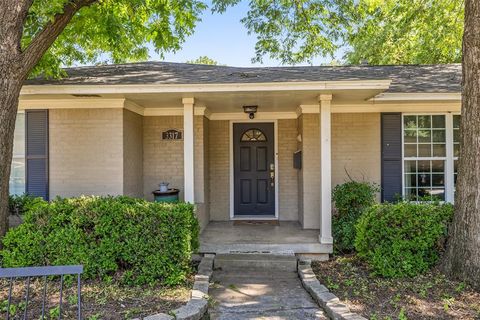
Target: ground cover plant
x: 100, y: 299
x: 429, y: 296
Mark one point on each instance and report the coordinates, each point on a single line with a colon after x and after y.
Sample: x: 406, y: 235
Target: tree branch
x: 40, y: 44
x: 12, y: 16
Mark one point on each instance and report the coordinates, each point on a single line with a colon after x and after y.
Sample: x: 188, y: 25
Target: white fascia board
x: 85, y: 103
x: 384, y: 97
x: 197, y: 88
x: 439, y: 107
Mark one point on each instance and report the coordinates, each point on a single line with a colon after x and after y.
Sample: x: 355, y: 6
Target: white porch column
x: 188, y: 150
x: 325, y: 169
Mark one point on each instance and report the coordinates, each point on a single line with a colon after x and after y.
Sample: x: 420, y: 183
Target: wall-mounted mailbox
x: 297, y: 159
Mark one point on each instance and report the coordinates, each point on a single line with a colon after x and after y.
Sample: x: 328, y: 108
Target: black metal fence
x: 13, y: 274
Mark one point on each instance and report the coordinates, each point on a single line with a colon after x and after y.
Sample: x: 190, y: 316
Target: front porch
x: 286, y: 236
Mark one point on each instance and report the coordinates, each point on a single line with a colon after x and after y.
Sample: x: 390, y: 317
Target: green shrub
x: 20, y: 204
x: 141, y: 241
x: 402, y: 239
x: 351, y: 199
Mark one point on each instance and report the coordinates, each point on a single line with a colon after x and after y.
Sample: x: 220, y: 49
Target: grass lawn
x: 100, y: 300
x: 429, y: 296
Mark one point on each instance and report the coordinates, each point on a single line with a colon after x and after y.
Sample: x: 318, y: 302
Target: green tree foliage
x: 111, y: 30
x: 204, y: 60
x: 379, y: 31
x: 407, y: 31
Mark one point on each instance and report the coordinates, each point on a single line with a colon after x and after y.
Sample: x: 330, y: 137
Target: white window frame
x: 449, y: 158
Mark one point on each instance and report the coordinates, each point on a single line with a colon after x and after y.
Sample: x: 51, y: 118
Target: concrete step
x: 253, y: 274
x: 263, y: 261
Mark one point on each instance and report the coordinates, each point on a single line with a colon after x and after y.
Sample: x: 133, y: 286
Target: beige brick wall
x: 162, y: 159
x: 133, y: 154
x: 219, y: 181
x: 309, y: 175
x: 356, y: 147
x: 287, y: 175
x: 86, y: 152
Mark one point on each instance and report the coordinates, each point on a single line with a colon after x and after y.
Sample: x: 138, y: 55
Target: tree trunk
x: 9, y: 92
x: 462, y: 259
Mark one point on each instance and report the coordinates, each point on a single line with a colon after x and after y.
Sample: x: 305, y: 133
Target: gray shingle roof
x: 405, y: 78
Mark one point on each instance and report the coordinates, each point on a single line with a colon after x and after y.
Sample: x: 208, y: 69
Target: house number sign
x: 172, y: 134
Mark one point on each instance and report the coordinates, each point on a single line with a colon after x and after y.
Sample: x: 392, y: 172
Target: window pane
x: 424, y: 136
x: 438, y: 121
x: 424, y: 122
x: 410, y: 136
x: 424, y: 180
x: 17, y: 174
x: 456, y: 150
x: 424, y: 150
x: 456, y: 121
x: 424, y: 166
x: 410, y: 166
x: 19, y: 136
x: 438, y: 136
x: 410, y: 180
x: 456, y: 135
x: 410, y: 122
x: 439, y: 150
x: 438, y: 180
x: 438, y: 166
x: 438, y: 193
x: 410, y: 150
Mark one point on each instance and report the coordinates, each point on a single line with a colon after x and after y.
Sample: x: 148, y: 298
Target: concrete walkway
x: 259, y: 292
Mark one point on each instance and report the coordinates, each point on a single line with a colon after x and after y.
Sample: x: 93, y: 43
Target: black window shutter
x: 391, y: 156
x: 36, y: 153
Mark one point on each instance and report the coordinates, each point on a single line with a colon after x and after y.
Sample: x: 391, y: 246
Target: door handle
x: 272, y: 175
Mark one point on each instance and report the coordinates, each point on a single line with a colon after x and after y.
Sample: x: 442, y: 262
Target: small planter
x: 171, y: 195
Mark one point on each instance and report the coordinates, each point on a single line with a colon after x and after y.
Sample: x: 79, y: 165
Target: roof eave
x: 321, y: 86
x: 417, y: 96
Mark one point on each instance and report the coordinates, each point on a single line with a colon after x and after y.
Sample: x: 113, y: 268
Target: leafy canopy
x: 204, y: 60
x: 113, y: 30
x: 292, y: 31
x: 379, y: 31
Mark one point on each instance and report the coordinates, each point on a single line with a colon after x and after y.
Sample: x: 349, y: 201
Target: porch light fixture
x: 251, y: 110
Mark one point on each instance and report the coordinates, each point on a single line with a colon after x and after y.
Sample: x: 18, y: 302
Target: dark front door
x: 254, y: 169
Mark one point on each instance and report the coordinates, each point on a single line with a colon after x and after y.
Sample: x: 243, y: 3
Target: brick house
x: 104, y: 130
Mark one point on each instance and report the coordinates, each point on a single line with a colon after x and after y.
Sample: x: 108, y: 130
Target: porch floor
x: 224, y: 237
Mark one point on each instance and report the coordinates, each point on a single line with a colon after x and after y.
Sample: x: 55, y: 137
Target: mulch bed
x: 428, y: 296
x: 100, y: 300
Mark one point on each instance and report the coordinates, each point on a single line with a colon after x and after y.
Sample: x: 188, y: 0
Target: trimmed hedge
x: 20, y: 204
x: 141, y: 241
x: 351, y: 200
x: 403, y: 239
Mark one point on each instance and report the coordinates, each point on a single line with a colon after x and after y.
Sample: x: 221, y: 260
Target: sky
x: 223, y: 38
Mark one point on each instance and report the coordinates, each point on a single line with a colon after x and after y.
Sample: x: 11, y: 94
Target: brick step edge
x: 197, y: 306
x: 324, y: 298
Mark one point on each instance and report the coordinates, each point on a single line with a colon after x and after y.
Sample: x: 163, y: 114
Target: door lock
x: 272, y: 175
